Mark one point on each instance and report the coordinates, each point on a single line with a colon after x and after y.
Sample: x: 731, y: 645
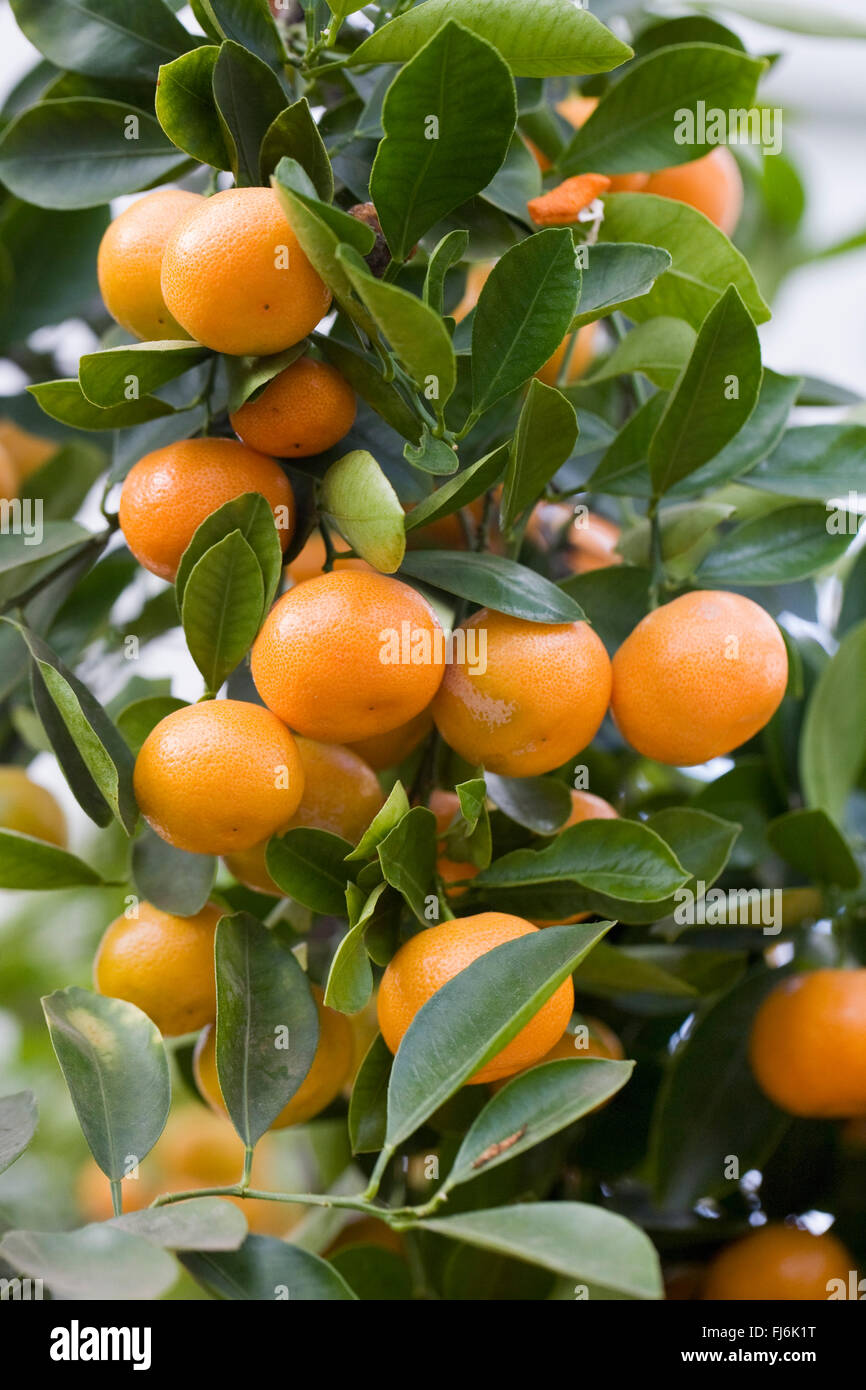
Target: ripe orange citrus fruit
x: 8, y: 476
x: 698, y: 677
x: 29, y: 808
x: 27, y: 451
x: 164, y: 964
x: 310, y: 562
x: 808, y: 1044
x: 592, y: 1039
x: 129, y: 263
x: 349, y: 655
x: 169, y: 493
x: 778, y: 1262
x: 341, y: 794
x: 592, y: 543
x: 391, y: 748
x: 541, y: 698
x: 322, y: 1084
x: 434, y: 956
x: 304, y: 410
x: 218, y: 776
x: 235, y: 277
x: 587, y: 806
x: 712, y: 184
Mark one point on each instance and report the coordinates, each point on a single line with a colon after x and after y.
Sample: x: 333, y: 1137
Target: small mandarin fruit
x: 778, y: 1262
x: 390, y: 749
x: 453, y: 872
x: 560, y: 206
x: 169, y: 493
x: 538, y: 699
x: 576, y: 109
x: 592, y: 543
x: 590, y: 1038
x: 434, y: 956
x: 164, y: 964
x: 8, y: 476
x: 205, y: 1145
x: 304, y: 410
x: 27, y: 451
x: 587, y: 806
x: 347, y: 656
x: 310, y: 562
x: 628, y: 183
x: 341, y: 794
x: 29, y: 808
x: 129, y: 264
x: 698, y: 677
x: 808, y: 1044
x: 235, y: 276
x: 712, y: 184
x: 322, y: 1084
x: 219, y: 776
x: 572, y: 357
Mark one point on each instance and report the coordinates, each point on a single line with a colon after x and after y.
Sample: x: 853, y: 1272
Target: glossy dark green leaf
x: 265, y: 1269
x: 350, y: 978
x: 545, y: 436
x: 658, y: 348
x: 614, y: 274
x: 540, y: 804
x: 61, y: 281
x: 494, y: 581
x: 186, y: 109
x: 309, y: 866
x: 66, y: 402
x: 408, y: 858
x: 366, y: 379
x: 368, y: 1107
x: 249, y: 99
x: 612, y: 972
x: 294, y: 134
x: 622, y: 859
x: 23, y: 561
x: 172, y: 879
x: 614, y: 600
x: 809, y: 840
x: 374, y: 1274
x: 267, y: 1026
x: 26, y: 863
x: 251, y: 516
x: 517, y: 181
x: 114, y: 1063
x: 833, y: 741
x: 105, y: 38
x: 815, y: 461
x: 248, y: 23
x: 444, y: 255
x: 120, y: 375
x: 137, y: 720
x: 790, y: 543
x: 247, y: 376
x: 18, y: 1120
x: 460, y: 490
x: 223, y: 601
x: 753, y: 441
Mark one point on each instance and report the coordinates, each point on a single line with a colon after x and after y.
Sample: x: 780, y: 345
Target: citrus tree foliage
x: 676, y: 431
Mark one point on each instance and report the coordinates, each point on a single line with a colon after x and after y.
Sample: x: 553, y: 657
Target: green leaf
x: 138, y: 719
x: 366, y: 379
x: 309, y: 866
x: 26, y: 863
x: 368, y: 1107
x: 65, y: 401
x: 350, y: 978
x: 518, y: 180
x: 613, y: 972
x: 614, y: 274
x: 96, y: 1263
x: 104, y: 38
x: 18, y: 1120
x: 753, y: 441
x: 248, y: 375
x: 710, y: 1104
x: 22, y: 562
x: 248, y: 23
x: 172, y: 879
x: 791, y: 543
x: 455, y: 93
x: 833, y: 741
x: 249, y: 99
x: 585, y: 1244
x: 407, y: 855
x: 808, y: 840
x: 267, y: 1027
x: 58, y: 283
x: 459, y: 491
x: 382, y: 824
x: 686, y: 532
x: 540, y: 804
x: 293, y: 134
x: 701, y: 841
x: 700, y: 416
x: 474, y: 1015
x: 84, y: 151
x: 659, y: 349
x: 642, y: 120
x: 222, y: 609
x: 357, y: 498
x: 251, y: 516
x: 545, y: 436
x: 532, y: 1106
x: 622, y: 470
x: 431, y: 455
x: 418, y: 337
x: 523, y: 314
x: 622, y: 859
x: 553, y: 39
x: 200, y: 1223
x: 495, y: 582
x: 614, y: 600
x: 444, y: 255
x: 107, y: 378
x: 815, y: 461
x: 264, y: 1269
x: 114, y: 1063
x: 704, y: 263
x: 186, y: 109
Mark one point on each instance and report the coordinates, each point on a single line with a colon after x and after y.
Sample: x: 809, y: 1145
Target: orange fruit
x: 579, y: 350
x: 587, y: 806
x: 434, y: 956
x: 235, y: 276
x: 323, y: 1083
x: 629, y: 183
x: 808, y: 1044
x: 560, y: 206
x: 712, y: 184
x: 540, y: 700
x: 218, y: 776
x: 27, y: 451
x: 391, y: 748
x: 698, y: 677
x: 29, y: 808
x: 346, y: 656
x: 310, y: 562
x: 304, y: 410
x: 162, y: 963
x: 778, y: 1262
x: 341, y: 794
x: 8, y: 476
x: 170, y: 492
x: 592, y: 543
x: 598, y: 1041
x: 129, y: 263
